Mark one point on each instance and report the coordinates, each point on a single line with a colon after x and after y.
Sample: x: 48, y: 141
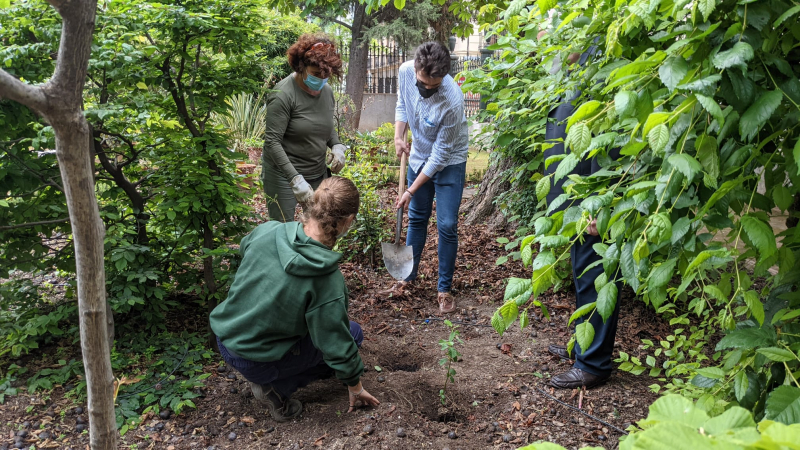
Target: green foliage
x: 703, y: 100
x: 245, y: 121
x: 371, y: 227
x: 675, y: 422
x: 451, y: 355
x: 166, y: 184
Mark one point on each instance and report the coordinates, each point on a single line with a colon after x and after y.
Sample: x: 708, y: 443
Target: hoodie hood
x: 302, y: 256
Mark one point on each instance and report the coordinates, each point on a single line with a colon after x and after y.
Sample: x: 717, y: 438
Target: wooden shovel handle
x: 401, y: 191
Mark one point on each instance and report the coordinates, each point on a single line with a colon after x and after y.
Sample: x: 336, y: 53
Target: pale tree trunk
x: 357, y: 66
x: 59, y: 102
x: 482, y: 208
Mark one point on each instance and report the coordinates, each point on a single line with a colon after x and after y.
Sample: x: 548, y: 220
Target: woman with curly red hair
x: 300, y: 127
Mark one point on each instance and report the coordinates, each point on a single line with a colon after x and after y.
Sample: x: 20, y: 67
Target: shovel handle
x: 401, y: 190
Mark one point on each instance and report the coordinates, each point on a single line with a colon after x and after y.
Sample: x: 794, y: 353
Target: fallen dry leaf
x: 248, y: 420
x: 506, y: 349
x: 318, y: 442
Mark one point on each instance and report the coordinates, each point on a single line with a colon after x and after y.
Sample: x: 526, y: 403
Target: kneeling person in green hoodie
x: 284, y: 323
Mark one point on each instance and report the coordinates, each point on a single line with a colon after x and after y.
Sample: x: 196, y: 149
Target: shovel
x: 398, y: 257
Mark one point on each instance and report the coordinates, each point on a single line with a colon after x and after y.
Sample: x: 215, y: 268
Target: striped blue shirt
x: 438, y: 124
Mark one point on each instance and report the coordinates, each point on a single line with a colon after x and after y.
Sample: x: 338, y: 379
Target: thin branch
x: 33, y: 224
x: 48, y: 181
x: 331, y: 19
x: 13, y: 89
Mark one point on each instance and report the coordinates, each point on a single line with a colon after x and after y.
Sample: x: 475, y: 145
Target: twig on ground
x: 580, y: 411
x: 409, y: 401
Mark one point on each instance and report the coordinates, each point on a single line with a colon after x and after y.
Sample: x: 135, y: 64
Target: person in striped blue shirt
x: 431, y: 103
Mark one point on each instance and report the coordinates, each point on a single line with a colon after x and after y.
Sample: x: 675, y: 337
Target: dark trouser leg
x: 419, y: 213
x: 299, y: 367
x: 449, y: 186
x: 597, y: 358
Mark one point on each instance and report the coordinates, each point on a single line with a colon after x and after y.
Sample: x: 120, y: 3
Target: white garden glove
x: 336, y: 158
x: 301, y: 189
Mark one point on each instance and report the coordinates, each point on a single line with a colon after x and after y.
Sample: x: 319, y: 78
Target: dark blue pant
x: 447, y: 186
x: 298, y: 367
x: 597, y: 358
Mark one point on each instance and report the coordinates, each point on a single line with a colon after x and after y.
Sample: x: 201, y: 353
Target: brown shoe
x: 561, y: 352
x: 576, y: 378
x: 447, y: 303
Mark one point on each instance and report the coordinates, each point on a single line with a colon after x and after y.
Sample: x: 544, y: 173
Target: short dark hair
x: 432, y: 59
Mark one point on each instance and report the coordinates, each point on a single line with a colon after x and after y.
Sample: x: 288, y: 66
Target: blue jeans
x: 298, y: 367
x: 446, y: 186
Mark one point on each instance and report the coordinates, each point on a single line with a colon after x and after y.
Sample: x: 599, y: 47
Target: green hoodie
x: 288, y: 286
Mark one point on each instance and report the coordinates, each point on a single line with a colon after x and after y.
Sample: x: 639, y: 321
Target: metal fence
x: 383, y: 63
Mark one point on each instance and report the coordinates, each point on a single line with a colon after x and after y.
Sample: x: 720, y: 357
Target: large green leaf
x: 709, y: 158
x: 660, y: 228
x: 711, y: 105
x: 706, y: 7
x: 542, y: 188
x: 625, y: 103
x: 705, y: 86
x: 733, y: 419
x: 761, y: 235
x: 606, y: 301
x: 673, y: 70
x: 658, y: 137
x: 783, y: 405
x: 566, y: 166
x: 737, y: 56
x: 516, y: 287
x: 584, y: 334
x: 654, y: 119
x: 580, y: 312
x: 579, y: 138
x: 748, y: 338
x: 758, y: 113
x: 685, y: 164
x: 796, y: 154
x: 661, y: 275
x: 584, y: 111
x: 755, y: 306
x: 676, y: 409
x: 789, y: 13
x: 777, y: 354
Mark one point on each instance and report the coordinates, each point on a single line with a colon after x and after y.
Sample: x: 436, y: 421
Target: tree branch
x: 33, y: 224
x: 26, y: 94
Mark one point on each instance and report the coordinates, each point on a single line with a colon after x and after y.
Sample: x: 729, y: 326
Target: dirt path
x: 493, y: 404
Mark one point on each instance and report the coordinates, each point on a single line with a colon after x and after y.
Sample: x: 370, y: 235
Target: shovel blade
x: 399, y: 260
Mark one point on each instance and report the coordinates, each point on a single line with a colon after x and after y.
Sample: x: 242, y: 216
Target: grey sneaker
x: 280, y: 409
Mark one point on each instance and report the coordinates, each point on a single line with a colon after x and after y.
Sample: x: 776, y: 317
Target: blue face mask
x: 314, y: 83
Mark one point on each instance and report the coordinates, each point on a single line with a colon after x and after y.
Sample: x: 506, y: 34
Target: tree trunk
x: 357, y: 67
x: 482, y: 208
x: 59, y: 101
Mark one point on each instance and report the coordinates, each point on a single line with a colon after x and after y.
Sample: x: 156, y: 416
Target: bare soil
x: 495, y: 403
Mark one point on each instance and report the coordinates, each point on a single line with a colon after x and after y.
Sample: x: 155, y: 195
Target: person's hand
x: 400, y: 147
x: 591, y: 229
x: 403, y: 201
x: 301, y: 189
x: 337, y: 158
x: 358, y: 394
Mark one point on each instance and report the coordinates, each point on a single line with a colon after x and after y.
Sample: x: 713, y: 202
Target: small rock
x: 495, y: 424
x: 165, y: 414
x: 26, y: 424
x: 270, y: 429
x: 79, y: 410
x: 222, y: 369
x: 369, y: 429
x: 381, y: 379
x: 452, y: 435
x: 544, y: 368
x: 22, y: 434
x: 188, y: 428
x: 44, y: 435
x: 506, y: 438
x: 534, y: 334
x: 150, y: 429
x: 159, y: 426
x: 231, y: 376
x: 19, y: 445
x: 601, y: 437
x: 498, y: 345
x: 80, y: 428
x: 233, y: 390
x: 232, y: 436
x: 50, y: 413
x: 240, y: 424
x: 401, y: 433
